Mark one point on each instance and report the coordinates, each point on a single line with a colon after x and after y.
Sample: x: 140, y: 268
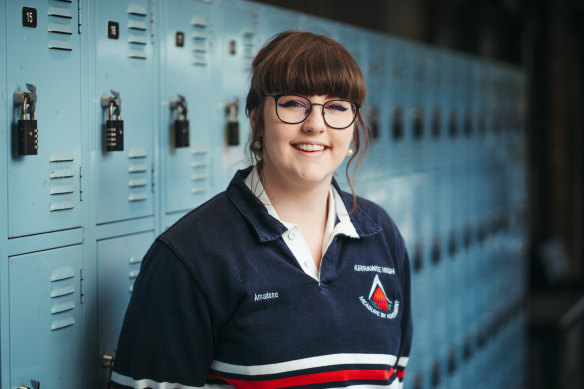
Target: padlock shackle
x: 23, y: 105
x: 111, y: 106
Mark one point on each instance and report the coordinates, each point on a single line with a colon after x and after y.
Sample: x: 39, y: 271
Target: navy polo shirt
x: 222, y: 302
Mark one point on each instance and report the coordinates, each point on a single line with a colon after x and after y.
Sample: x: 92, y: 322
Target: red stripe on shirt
x: 316, y: 378
x: 400, y: 373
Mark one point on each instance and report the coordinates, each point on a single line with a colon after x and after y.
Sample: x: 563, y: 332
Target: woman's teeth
x: 304, y: 147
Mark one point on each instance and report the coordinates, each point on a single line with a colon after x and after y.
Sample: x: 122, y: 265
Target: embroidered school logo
x: 378, y: 303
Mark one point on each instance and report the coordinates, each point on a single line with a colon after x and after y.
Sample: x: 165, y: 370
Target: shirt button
x: 306, y: 264
x: 291, y: 235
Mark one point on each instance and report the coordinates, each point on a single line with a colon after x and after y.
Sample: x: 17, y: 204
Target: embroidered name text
x: 266, y: 296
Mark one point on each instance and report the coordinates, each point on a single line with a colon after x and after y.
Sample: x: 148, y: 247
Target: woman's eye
x: 292, y: 104
x: 336, y: 107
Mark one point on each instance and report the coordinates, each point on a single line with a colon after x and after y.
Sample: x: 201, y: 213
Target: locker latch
x: 114, y: 128
x: 27, y: 137
x: 231, y: 109
x: 181, y: 126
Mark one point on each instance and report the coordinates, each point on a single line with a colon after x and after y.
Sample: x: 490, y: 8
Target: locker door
x: 43, y: 189
x: 276, y: 21
x: 118, y: 265
x: 124, y: 61
x: 238, y: 45
x: 46, y: 319
x: 187, y: 68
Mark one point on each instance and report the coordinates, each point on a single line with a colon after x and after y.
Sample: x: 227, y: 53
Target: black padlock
x: 26, y: 137
x: 114, y: 131
x: 233, y: 133
x: 181, y: 128
x: 28, y: 142
x: 233, y: 124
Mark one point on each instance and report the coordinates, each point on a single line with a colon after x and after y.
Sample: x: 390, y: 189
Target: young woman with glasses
x: 283, y: 280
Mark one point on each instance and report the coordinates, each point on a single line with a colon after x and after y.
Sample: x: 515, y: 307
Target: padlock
x: 27, y: 132
x: 26, y: 138
x: 233, y: 124
x: 114, y: 130
x: 418, y: 123
x: 181, y: 127
x: 397, y: 127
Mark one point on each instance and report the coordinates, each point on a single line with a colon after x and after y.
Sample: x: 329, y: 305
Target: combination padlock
x: 181, y: 131
x: 181, y: 126
x: 233, y: 124
x: 114, y: 130
x: 27, y: 135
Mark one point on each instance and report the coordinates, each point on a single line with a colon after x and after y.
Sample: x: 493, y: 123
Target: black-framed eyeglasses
x: 294, y: 109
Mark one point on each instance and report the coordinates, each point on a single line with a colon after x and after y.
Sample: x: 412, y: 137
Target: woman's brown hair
x: 299, y: 62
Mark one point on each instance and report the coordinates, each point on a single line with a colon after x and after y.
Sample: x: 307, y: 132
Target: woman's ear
x: 253, y: 118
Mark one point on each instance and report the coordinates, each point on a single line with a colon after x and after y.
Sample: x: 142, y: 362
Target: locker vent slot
x: 58, y: 30
x: 62, y: 289
x: 62, y: 183
x: 60, y: 12
x: 137, y: 179
x: 200, y: 41
x: 136, y: 9
x: 62, y: 323
x: 200, y: 175
x: 135, y: 262
x: 62, y: 273
x: 62, y: 307
x: 248, y: 46
x: 137, y: 168
x: 137, y: 31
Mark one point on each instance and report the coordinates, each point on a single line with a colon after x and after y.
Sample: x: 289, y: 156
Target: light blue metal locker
x: 188, y: 68
x: 319, y: 25
x: 47, y: 319
x: 275, y: 20
x: 44, y: 189
x: 376, y: 109
x: 118, y: 264
x: 238, y: 41
x: 124, y: 62
x: 4, y: 150
x: 400, y: 103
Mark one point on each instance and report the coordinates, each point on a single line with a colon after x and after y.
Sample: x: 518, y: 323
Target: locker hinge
x: 152, y: 177
x: 78, y: 17
x: 80, y: 184
x: 82, y: 293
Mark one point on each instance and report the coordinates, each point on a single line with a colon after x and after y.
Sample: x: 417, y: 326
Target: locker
x: 44, y: 189
x: 400, y: 106
x: 188, y: 67
x: 238, y: 44
x: 376, y: 108
x: 276, y: 20
x: 124, y: 62
x: 47, y: 337
x: 118, y: 265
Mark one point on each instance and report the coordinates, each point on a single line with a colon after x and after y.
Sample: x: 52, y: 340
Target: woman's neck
x: 305, y: 206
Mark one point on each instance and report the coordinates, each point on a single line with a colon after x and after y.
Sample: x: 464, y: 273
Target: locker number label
x: 29, y: 17
x: 113, y: 30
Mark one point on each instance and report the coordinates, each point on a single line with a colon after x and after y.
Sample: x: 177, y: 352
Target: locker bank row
x: 120, y: 117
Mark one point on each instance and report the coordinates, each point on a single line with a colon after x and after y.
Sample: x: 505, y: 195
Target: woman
x: 283, y: 280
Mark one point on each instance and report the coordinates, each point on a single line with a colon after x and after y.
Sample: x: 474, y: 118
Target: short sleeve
x: 167, y: 336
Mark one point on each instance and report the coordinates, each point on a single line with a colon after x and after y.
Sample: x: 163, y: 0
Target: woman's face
x: 303, y: 154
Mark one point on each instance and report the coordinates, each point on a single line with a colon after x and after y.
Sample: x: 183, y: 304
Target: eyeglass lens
x: 295, y: 109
